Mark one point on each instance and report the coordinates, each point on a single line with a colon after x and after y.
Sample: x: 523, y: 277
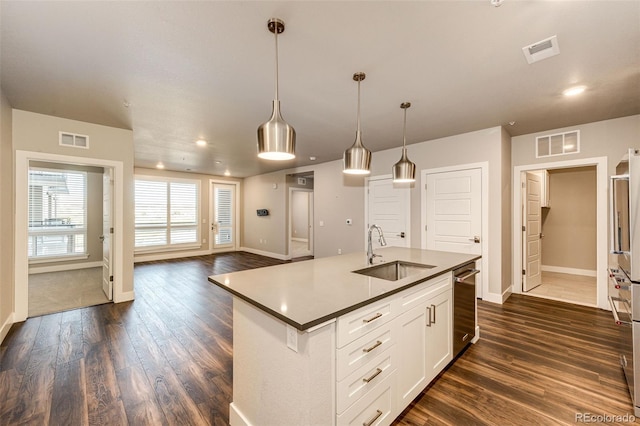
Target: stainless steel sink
x: 394, y: 271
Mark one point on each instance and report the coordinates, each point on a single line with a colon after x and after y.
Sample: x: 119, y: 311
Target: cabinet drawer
x: 359, y: 352
x: 361, y: 321
x: 361, y: 381
x: 414, y: 296
x: 375, y: 409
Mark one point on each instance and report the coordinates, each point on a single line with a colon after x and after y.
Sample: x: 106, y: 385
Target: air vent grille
x: 542, y: 49
x: 74, y: 140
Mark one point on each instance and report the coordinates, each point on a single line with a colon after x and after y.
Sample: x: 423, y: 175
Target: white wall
x: 39, y: 133
x: 6, y: 218
x: 300, y: 214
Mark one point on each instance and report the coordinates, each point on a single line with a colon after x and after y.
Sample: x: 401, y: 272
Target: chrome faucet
x: 370, y: 254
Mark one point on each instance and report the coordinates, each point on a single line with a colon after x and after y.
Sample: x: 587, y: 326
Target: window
x: 166, y: 213
x: 558, y: 144
x: 57, y: 213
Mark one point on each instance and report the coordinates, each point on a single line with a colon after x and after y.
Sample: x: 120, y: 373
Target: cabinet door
x: 412, y: 345
x: 439, y: 334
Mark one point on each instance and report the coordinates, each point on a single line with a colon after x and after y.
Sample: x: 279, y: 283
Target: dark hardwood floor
x: 166, y: 358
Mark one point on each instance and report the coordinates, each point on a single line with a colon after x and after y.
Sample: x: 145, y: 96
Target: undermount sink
x: 394, y: 271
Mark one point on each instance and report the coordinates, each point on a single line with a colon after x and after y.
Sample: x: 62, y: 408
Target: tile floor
x: 299, y: 249
x: 60, y: 291
x: 577, y: 289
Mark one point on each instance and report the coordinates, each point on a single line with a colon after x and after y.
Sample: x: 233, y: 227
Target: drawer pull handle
x: 373, y: 318
x: 373, y: 419
x: 373, y: 376
x: 367, y: 350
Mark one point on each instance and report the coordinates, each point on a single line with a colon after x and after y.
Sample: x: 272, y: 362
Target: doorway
x: 66, y: 238
x: 559, y: 234
x: 389, y: 207
x: 224, y: 216
x: 65, y: 245
x: 596, y: 271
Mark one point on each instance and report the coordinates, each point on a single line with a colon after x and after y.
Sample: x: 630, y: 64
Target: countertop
x: 308, y: 293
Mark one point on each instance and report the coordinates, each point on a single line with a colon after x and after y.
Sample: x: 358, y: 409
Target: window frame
x: 177, y: 246
x: 84, y: 231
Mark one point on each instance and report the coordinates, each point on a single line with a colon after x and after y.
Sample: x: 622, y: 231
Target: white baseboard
x: 6, y: 327
x: 63, y: 267
x: 300, y: 240
x: 236, y: 418
x: 477, y: 336
x: 497, y: 298
x: 266, y: 253
x: 572, y: 271
x: 168, y: 255
x: 124, y: 297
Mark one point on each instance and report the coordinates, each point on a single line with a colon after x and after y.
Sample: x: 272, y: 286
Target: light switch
x: 321, y: 223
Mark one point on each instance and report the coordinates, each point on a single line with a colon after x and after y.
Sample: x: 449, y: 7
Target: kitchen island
x: 316, y: 343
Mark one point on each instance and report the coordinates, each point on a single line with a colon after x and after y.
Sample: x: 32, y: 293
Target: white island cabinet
x: 362, y: 363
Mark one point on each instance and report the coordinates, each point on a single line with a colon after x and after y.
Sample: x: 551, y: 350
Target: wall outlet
x: 339, y: 251
x: 321, y: 223
x: 292, y: 338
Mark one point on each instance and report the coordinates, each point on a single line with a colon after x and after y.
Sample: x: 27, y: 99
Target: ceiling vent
x: 74, y: 140
x: 542, y: 49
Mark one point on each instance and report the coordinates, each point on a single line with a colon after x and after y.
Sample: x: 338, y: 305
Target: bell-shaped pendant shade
x: 404, y: 171
x: 357, y: 159
x: 276, y: 138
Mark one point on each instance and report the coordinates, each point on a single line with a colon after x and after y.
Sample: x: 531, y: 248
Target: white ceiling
x: 194, y: 70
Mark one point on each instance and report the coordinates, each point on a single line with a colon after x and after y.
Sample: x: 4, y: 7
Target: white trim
x: 166, y: 248
x: 6, y: 327
x: 496, y: 297
x: 572, y: 271
x: 56, y: 259
x: 126, y: 296
x: 21, y: 276
x: 64, y: 267
x: 236, y: 418
x: 168, y: 255
x: 237, y: 195
x: 484, y: 172
x: 601, y: 221
x: 404, y: 187
x: 266, y: 253
x: 300, y: 240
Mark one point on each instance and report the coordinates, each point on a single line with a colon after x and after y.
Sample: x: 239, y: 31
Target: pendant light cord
x: 358, y: 117
x: 276, y: 34
x: 404, y: 131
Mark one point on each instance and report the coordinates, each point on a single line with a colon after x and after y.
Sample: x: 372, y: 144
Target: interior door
x: 532, y: 250
x: 389, y: 207
x: 223, y: 198
x: 107, y: 234
x: 454, y: 213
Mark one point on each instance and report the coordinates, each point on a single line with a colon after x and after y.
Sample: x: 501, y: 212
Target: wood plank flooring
x: 166, y: 359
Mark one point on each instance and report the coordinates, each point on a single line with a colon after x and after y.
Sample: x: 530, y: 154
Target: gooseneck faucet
x: 370, y: 254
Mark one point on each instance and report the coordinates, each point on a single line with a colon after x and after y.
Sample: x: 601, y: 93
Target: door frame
x: 236, y: 218
x: 407, y: 192
x: 21, y: 266
x: 310, y: 218
x: 601, y: 221
x: 484, y: 211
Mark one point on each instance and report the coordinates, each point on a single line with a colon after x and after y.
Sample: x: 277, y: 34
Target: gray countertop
x: 307, y: 293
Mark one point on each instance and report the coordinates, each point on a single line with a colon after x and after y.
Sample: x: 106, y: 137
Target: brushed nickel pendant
x: 276, y: 138
x: 357, y: 159
x: 404, y: 171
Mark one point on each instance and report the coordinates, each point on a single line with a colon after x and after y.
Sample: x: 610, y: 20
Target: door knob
x: 475, y: 239
x: 541, y: 235
x: 101, y: 238
x: 401, y: 235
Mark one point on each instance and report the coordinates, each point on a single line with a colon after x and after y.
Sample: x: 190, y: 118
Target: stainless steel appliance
x: 624, y: 277
x: 464, y: 306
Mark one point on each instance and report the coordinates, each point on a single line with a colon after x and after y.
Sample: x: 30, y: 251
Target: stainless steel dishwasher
x: 464, y: 306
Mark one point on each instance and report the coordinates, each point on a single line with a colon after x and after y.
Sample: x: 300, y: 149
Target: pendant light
x: 276, y: 138
x: 357, y: 159
x: 404, y: 170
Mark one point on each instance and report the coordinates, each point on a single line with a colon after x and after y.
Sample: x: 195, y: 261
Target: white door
x: 223, y: 198
x: 454, y: 213
x: 300, y: 222
x: 389, y: 208
x: 107, y: 234
x: 532, y: 276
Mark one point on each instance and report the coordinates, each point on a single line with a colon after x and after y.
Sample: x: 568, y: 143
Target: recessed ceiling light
x: 227, y: 173
x: 218, y: 162
x: 160, y: 165
x: 573, y: 91
x: 496, y: 3
x: 511, y: 123
x: 201, y: 142
x: 312, y: 158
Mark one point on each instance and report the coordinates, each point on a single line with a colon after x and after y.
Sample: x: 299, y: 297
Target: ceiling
x: 190, y: 70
